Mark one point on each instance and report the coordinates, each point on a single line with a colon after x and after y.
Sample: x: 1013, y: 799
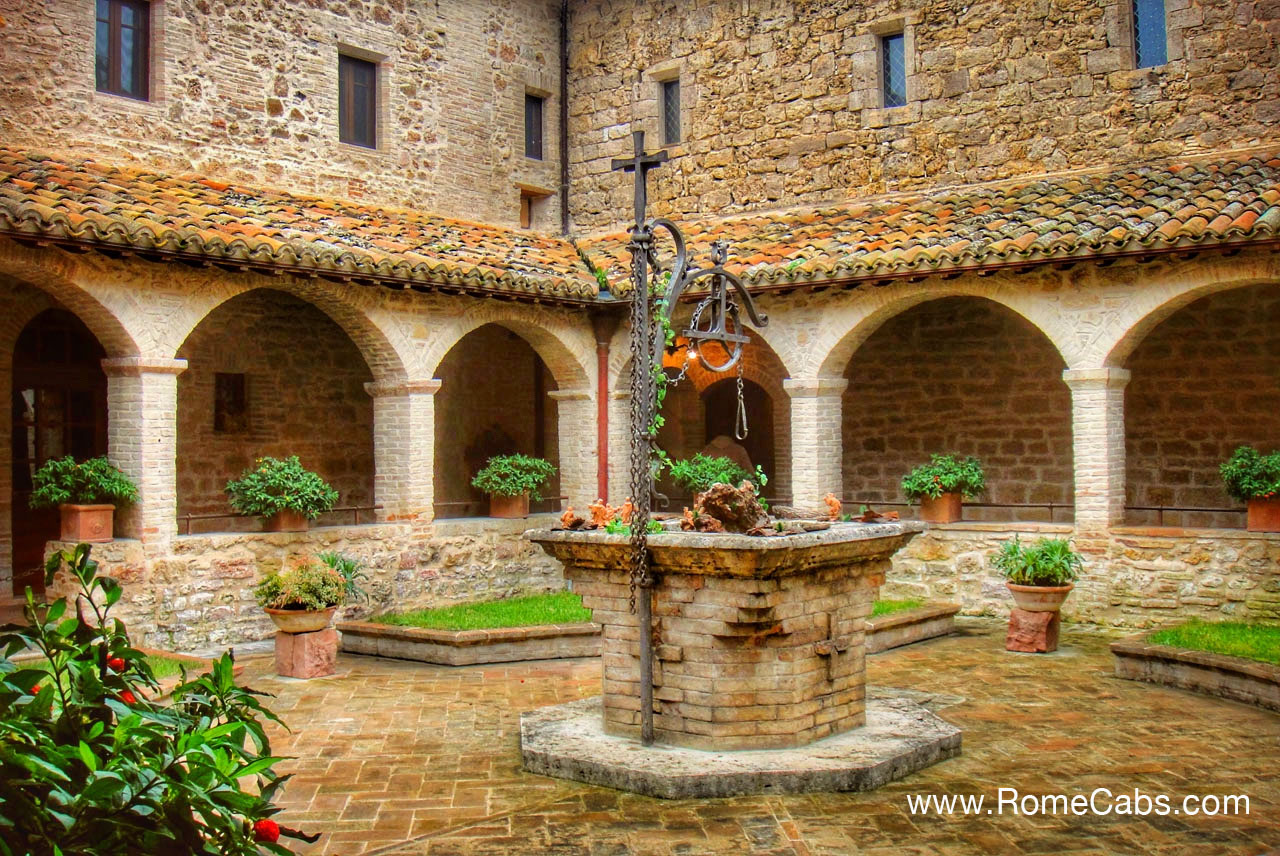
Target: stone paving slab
x: 568, y: 741
x: 406, y: 758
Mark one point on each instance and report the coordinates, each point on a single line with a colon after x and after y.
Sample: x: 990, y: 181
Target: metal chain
x: 641, y: 414
x: 740, y: 428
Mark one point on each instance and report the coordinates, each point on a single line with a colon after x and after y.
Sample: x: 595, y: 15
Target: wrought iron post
x: 715, y: 319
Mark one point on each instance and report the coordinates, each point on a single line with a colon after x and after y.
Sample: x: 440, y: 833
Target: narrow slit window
x: 1150, y: 41
x: 122, y: 55
x: 893, y: 50
x: 533, y: 109
x: 671, y: 111
x: 357, y: 101
x: 230, y: 403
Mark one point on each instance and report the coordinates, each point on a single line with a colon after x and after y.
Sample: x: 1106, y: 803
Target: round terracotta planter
x: 287, y: 521
x: 91, y: 523
x: 1264, y: 515
x: 509, y: 507
x: 1039, y: 598
x: 302, y: 620
x: 947, y: 508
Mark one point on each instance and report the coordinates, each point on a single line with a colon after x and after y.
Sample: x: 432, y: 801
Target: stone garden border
x: 471, y: 647
x: 1235, y: 678
x: 910, y: 625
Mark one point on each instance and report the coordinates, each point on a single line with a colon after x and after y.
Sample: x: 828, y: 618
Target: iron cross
x: 640, y: 163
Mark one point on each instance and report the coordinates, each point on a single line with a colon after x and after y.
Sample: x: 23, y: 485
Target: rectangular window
x: 893, y: 73
x: 1150, y: 43
x: 533, y: 109
x: 122, y: 61
x: 357, y: 101
x: 230, y: 404
x: 671, y: 111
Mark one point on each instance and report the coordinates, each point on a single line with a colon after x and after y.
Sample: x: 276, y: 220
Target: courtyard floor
x: 405, y: 758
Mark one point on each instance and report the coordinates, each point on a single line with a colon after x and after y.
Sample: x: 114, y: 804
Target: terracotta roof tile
x: 94, y: 203
x: 1201, y: 202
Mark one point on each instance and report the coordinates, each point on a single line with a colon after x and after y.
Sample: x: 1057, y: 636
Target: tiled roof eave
x: 990, y: 262
x: 56, y: 229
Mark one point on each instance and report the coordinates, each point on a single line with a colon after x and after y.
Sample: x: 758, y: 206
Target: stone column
x: 142, y: 440
x: 404, y: 442
x: 1097, y: 428
x: 816, y: 458
x: 576, y: 423
x: 619, y: 446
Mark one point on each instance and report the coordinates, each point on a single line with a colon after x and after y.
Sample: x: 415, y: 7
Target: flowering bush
x: 88, y: 765
x: 945, y: 474
x: 95, y: 481
x: 1249, y: 474
x: 273, y: 485
x: 512, y: 475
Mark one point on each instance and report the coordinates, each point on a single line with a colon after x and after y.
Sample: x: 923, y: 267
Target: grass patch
x: 563, y: 607
x: 889, y: 607
x: 1233, y: 638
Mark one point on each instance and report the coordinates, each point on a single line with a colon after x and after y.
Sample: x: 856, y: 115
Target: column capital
x: 391, y: 388
x: 582, y: 394
x: 1108, y: 377
x: 819, y: 387
x: 136, y: 366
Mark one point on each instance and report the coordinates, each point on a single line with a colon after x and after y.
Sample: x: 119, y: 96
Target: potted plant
x: 86, y: 495
x: 282, y: 491
x: 1039, y: 576
x: 1254, y: 478
x: 941, y: 485
x: 303, y: 598
x: 510, y: 480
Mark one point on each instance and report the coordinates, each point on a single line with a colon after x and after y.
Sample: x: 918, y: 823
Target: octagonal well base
x: 568, y: 741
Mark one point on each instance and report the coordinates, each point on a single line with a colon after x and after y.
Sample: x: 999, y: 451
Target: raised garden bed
x: 896, y: 623
x: 1143, y: 658
x: 540, y: 627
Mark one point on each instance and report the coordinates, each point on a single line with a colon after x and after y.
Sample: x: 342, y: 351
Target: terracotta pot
x: 1264, y: 515
x: 302, y: 620
x: 92, y: 523
x: 509, y: 506
x: 287, y: 521
x: 1039, y: 598
x: 947, y: 508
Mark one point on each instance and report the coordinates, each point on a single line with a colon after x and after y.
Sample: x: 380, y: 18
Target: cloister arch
x: 565, y: 348
x: 271, y: 374
x: 963, y: 375
x: 1205, y: 378
x: 495, y: 398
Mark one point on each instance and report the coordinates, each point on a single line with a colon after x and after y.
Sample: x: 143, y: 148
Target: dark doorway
x: 721, y: 406
x: 59, y: 408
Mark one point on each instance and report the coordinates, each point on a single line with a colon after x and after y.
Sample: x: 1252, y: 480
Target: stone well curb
x: 910, y: 625
x: 1235, y: 678
x: 471, y: 647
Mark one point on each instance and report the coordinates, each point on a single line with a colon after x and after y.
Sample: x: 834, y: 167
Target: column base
x: 307, y: 655
x: 1032, y: 632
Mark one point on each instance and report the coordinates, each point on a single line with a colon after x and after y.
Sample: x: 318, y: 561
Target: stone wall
x: 304, y: 381
x: 1133, y: 578
x: 1204, y: 382
x: 199, y: 595
x: 965, y: 376
x: 781, y: 100
x: 248, y: 91
x: 493, y: 389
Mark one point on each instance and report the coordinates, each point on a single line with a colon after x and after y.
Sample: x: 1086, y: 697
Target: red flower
x: 128, y: 697
x: 266, y: 830
x: 115, y: 664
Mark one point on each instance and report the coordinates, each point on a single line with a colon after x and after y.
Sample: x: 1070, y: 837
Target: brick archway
x: 565, y: 346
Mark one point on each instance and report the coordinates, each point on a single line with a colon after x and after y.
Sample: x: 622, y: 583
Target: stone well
x: 759, y: 650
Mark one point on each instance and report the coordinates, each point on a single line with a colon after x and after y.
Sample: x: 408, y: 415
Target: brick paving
x: 406, y: 758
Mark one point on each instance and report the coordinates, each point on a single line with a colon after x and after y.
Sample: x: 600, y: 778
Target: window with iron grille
x: 122, y: 61
x: 893, y: 74
x: 534, y: 106
x: 671, y: 111
x: 1150, y: 41
x: 357, y: 101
